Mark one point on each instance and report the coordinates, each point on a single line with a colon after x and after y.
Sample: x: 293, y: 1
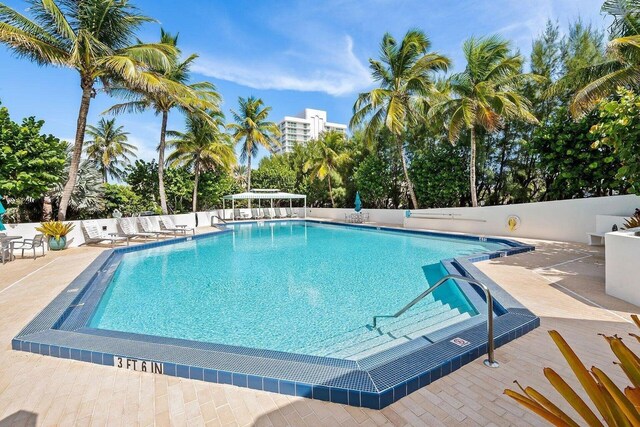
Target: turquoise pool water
x: 285, y: 286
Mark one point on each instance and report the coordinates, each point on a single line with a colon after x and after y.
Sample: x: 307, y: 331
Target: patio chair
x: 129, y: 229
x: 281, y: 213
x: 29, y: 244
x: 169, y: 225
x: 256, y: 213
x: 150, y: 226
x: 236, y: 214
x: 291, y: 213
x: 94, y: 234
x: 267, y: 214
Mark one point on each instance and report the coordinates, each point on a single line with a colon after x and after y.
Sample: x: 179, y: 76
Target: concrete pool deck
x: 562, y: 283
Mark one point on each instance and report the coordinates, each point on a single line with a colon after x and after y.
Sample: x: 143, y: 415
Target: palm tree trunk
x: 47, y: 209
x: 412, y: 193
x: 472, y: 169
x: 196, y: 168
x: 161, y: 147
x: 249, y: 178
x: 333, y: 203
x: 104, y: 175
x: 87, y: 90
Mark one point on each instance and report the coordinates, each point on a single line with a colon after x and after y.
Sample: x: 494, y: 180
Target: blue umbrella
x: 2, y: 211
x: 358, y: 202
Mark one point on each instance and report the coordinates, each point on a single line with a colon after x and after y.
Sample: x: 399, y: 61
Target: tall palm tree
x: 252, y: 127
x: 202, y: 147
x: 622, y: 66
x: 405, y: 73
x: 484, y: 95
x: 327, y: 154
x: 95, y: 38
x: 194, y: 98
x: 108, y: 149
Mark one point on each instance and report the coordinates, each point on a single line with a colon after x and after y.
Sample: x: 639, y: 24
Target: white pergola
x: 265, y: 194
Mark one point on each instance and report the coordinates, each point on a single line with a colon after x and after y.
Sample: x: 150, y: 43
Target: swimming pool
x: 288, y: 286
x: 285, y: 306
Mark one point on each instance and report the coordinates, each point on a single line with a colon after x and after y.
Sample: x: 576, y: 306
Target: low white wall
x: 382, y: 216
x: 621, y: 252
x: 561, y: 220
x: 109, y: 225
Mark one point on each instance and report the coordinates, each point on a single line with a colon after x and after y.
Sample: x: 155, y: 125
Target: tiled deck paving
x: 562, y: 283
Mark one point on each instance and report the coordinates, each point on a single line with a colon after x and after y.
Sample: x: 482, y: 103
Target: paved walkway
x: 562, y: 283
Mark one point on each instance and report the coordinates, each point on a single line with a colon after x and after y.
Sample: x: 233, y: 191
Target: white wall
x: 76, y: 237
x: 562, y: 220
x: 621, y: 252
x: 382, y: 216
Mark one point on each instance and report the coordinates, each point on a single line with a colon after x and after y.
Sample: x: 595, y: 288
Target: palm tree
x: 195, y: 98
x: 405, y: 75
x: 251, y: 125
x: 94, y: 37
x: 240, y: 175
x: 327, y: 154
x: 202, y: 147
x: 622, y: 67
x: 484, y: 95
x: 108, y: 149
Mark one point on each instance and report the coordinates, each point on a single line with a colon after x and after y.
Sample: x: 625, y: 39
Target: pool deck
x: 563, y: 283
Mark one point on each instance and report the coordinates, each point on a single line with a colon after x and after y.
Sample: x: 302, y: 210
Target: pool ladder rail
x: 490, y: 362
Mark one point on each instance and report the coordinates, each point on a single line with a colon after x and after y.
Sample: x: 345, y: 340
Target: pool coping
x: 373, y: 382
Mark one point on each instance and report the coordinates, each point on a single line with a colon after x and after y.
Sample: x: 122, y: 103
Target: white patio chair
x: 130, y: 229
x: 94, y: 234
x: 169, y: 225
x: 150, y: 226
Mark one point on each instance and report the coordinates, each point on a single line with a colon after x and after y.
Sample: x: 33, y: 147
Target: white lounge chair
x: 255, y: 212
x: 291, y: 213
x: 94, y: 234
x: 130, y: 229
x: 169, y: 225
x: 150, y: 226
x: 281, y: 212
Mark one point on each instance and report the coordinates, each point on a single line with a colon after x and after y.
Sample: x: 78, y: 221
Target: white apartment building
x: 303, y: 127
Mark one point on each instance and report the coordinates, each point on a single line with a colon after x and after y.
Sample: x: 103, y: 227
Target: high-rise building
x: 307, y: 125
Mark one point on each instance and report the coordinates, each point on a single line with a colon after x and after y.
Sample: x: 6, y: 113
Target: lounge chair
x: 281, y: 213
x: 29, y: 244
x: 291, y: 213
x: 267, y: 214
x: 130, y: 229
x: 150, y: 226
x: 236, y: 214
x: 94, y: 234
x: 256, y: 213
x: 169, y: 225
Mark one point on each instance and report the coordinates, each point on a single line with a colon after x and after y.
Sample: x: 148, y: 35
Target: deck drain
x: 73, y: 290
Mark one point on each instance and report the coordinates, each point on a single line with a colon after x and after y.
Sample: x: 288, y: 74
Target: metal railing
x: 219, y: 219
x: 491, y: 362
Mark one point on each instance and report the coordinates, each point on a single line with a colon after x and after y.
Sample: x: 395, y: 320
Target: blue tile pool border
x: 375, y: 382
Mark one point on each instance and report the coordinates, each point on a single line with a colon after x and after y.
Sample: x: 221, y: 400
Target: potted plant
x: 57, y: 232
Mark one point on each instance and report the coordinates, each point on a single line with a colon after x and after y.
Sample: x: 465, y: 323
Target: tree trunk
x: 196, y: 168
x: 249, y: 178
x: 87, y: 90
x: 104, y: 175
x: 333, y: 203
x: 47, y: 209
x: 412, y: 193
x: 161, y: 147
x: 472, y: 169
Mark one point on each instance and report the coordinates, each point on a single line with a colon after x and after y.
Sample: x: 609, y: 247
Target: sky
x: 292, y: 54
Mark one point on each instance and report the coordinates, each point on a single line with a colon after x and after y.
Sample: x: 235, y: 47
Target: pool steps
x: 423, y: 319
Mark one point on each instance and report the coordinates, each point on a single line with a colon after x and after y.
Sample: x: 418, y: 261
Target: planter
x: 57, y: 245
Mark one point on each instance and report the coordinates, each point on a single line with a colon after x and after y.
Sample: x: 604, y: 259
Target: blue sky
x: 292, y: 54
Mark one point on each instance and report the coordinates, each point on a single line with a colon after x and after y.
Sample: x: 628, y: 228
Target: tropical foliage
x: 615, y: 406
x: 97, y: 39
x: 560, y: 124
x: 203, y: 147
x: 405, y: 73
x: 252, y: 130
x: 108, y: 148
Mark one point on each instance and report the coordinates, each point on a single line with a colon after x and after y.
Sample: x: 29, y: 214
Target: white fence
x: 562, y: 220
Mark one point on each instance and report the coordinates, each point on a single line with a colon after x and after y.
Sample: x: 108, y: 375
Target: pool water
x: 290, y: 286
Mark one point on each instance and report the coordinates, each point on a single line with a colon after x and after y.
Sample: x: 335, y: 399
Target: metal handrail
x: 491, y: 362
x: 216, y: 216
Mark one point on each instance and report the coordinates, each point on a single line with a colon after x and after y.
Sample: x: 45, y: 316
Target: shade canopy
x: 264, y: 195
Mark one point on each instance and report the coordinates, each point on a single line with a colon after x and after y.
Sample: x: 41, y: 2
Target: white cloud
x: 334, y: 71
